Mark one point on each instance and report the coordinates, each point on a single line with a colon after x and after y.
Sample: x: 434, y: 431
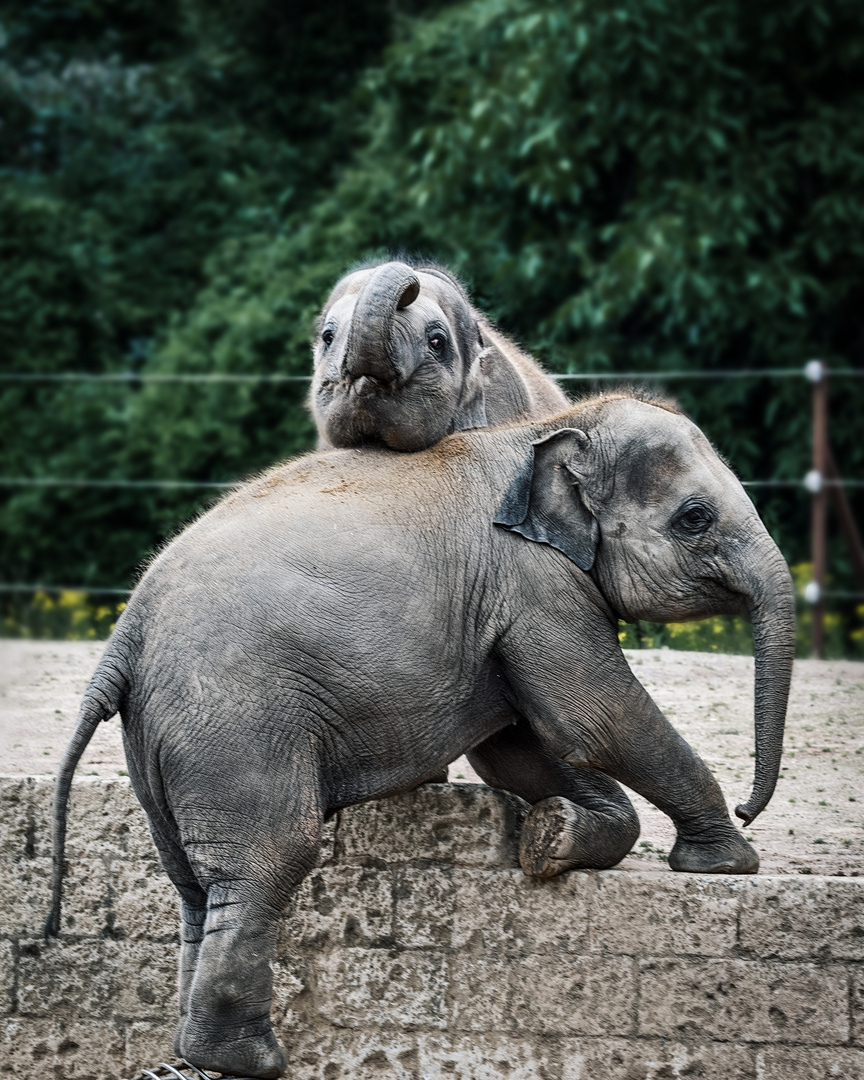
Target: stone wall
x: 418, y: 950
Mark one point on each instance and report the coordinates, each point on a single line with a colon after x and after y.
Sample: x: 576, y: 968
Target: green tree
x: 631, y: 186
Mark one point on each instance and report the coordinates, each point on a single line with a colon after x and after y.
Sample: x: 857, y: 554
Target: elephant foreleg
x: 629, y: 738
x: 580, y: 819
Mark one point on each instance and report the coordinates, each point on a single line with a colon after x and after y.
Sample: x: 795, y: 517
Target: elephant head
x: 636, y: 496
x: 397, y: 360
x: 402, y: 359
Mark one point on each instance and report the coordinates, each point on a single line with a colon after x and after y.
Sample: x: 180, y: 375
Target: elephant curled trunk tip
x: 773, y: 619
x: 393, y: 287
x: 748, y: 811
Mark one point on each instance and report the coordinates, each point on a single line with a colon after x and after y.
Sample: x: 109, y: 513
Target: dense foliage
x: 640, y: 185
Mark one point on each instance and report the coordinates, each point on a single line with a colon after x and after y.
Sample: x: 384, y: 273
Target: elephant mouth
x: 368, y: 416
x: 351, y: 387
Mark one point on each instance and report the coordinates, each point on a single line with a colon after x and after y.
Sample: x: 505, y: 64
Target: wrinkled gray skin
x: 403, y: 359
x: 343, y: 627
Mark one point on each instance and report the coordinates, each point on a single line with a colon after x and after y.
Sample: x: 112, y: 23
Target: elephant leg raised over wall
x: 580, y: 819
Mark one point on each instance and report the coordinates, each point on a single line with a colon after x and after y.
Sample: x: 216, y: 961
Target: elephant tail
x: 102, y: 700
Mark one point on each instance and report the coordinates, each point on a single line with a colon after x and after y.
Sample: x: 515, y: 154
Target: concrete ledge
x: 418, y: 949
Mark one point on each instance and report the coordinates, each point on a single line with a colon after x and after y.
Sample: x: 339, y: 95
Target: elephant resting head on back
x: 403, y: 359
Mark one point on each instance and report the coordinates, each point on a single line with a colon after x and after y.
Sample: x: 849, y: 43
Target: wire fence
x: 817, y: 483
x: 133, y: 377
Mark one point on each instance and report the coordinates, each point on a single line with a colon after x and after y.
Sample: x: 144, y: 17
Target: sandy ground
x: 814, y: 824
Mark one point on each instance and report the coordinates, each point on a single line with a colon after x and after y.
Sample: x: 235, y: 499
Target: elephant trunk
x: 771, y: 607
x: 370, y: 353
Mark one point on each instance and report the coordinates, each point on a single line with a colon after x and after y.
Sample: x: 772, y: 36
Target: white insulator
x: 813, y: 481
x: 814, y: 370
x: 812, y: 592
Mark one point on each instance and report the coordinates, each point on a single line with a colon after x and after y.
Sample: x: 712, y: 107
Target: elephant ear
x: 544, y: 502
x: 472, y: 404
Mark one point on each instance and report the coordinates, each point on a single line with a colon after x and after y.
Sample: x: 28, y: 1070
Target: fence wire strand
x: 135, y: 378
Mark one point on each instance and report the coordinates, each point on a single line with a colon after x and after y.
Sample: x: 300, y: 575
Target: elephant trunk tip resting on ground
x: 341, y: 628
x: 402, y: 359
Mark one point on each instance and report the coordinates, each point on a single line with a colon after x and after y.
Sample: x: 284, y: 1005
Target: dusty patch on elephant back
x: 267, y: 484
x: 344, y: 487
x: 450, y: 449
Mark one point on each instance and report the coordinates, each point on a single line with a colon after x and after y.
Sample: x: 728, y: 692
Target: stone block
x: 822, y: 918
x: 17, y: 819
x: 146, y: 904
x: 544, y: 995
x: 425, y: 902
x: 25, y: 885
x: 106, y: 820
x: 25, y: 893
x: 643, y: 1059
x: 485, y: 1057
x: 481, y: 993
x: 65, y: 979
x: 857, y: 997
x: 342, y: 905
x: 42, y: 802
x: 292, y: 1005
x: 144, y: 975
x: 7, y: 977
x: 358, y: 987
x: 744, y: 1001
x: 352, y: 1055
x: 462, y: 824
x: 327, y: 851
x: 810, y: 1063
x: 664, y: 914
x: 504, y: 909
x: 65, y: 1049
x: 147, y: 1042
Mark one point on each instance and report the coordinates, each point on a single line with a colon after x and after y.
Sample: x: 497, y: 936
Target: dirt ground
x: 814, y: 824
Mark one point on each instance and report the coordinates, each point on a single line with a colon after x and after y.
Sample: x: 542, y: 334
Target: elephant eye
x: 436, y: 342
x: 694, y: 519
x: 327, y: 336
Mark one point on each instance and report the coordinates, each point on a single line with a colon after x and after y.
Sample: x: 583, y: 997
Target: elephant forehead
x: 424, y: 309
x: 350, y: 285
x: 650, y: 468
x: 340, y: 310
x: 436, y: 287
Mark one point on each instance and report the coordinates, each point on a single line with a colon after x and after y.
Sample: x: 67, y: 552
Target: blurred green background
x: 635, y: 186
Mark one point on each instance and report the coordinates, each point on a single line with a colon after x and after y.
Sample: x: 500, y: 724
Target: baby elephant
x: 343, y: 627
x: 403, y: 359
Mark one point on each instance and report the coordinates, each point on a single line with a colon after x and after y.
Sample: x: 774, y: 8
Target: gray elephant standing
x: 403, y: 359
x: 343, y: 627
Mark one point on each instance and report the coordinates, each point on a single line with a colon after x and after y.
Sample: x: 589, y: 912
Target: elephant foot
x: 250, y: 1054
x: 727, y: 854
x: 559, y: 835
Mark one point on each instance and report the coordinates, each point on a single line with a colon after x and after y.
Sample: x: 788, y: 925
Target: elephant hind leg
x: 249, y: 878
x: 580, y: 819
x: 193, y: 904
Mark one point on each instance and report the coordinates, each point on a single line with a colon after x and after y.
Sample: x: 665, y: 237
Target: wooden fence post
x: 818, y: 375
